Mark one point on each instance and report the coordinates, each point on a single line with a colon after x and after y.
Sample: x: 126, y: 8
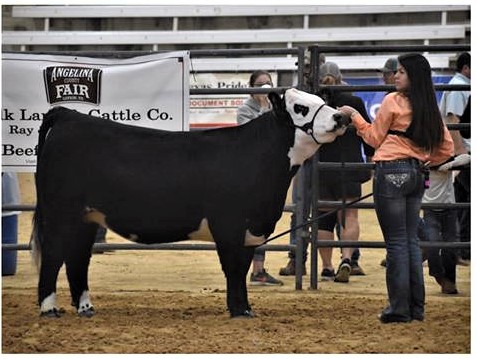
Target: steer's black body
x: 157, y: 186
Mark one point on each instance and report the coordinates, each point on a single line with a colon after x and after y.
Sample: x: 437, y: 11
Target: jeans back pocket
x: 397, y: 182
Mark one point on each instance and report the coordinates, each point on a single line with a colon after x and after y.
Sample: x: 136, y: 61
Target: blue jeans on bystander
x: 442, y: 226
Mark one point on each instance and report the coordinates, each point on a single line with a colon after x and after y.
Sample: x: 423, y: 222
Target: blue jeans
x: 442, y: 226
x: 462, y: 194
x: 398, y: 189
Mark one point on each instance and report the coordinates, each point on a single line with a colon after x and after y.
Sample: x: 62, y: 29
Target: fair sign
x: 208, y: 111
x: 149, y: 91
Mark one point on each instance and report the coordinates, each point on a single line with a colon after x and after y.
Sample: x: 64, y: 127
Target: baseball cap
x: 390, y: 65
x: 331, y: 69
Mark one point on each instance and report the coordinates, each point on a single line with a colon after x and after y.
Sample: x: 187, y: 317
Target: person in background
x: 462, y: 195
x: 10, y: 196
x: 252, y: 108
x: 333, y: 185
x: 388, y: 71
x: 408, y: 133
x: 453, y: 105
x: 441, y: 224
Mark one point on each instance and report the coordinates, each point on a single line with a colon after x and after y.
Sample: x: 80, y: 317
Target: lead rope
x: 347, y: 204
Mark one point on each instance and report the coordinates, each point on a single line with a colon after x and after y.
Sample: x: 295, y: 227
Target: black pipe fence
x: 315, y: 52
x: 298, y: 207
x: 268, y: 247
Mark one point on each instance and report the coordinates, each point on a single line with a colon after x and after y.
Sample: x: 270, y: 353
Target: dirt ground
x: 174, y: 302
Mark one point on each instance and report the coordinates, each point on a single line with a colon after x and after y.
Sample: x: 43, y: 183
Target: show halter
x: 308, y: 127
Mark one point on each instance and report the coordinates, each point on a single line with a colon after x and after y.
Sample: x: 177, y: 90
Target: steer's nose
x: 341, y: 119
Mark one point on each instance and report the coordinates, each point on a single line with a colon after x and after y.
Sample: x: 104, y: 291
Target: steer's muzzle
x: 341, y: 120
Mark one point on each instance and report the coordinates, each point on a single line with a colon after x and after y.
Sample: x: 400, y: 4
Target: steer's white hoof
x: 88, y: 313
x: 52, y: 313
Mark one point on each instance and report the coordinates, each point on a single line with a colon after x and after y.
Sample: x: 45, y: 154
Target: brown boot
x: 290, y: 269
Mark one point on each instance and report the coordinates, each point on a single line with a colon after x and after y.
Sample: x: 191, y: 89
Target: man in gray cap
x: 389, y: 69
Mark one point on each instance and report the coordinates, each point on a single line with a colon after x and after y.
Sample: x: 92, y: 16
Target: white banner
x: 149, y: 91
x: 208, y: 111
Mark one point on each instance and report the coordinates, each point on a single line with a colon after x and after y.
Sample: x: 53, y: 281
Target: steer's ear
x: 277, y: 102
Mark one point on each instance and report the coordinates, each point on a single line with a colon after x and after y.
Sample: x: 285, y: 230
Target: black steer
x: 153, y: 186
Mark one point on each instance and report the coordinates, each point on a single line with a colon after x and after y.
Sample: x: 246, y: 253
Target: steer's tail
x: 35, y: 244
x: 36, y: 237
x: 49, y: 121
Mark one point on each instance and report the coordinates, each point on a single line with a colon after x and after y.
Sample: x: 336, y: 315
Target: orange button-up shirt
x: 395, y: 114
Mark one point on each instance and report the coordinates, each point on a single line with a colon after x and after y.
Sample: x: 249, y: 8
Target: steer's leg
x: 50, y: 264
x: 235, y: 264
x: 77, y: 258
x: 235, y: 259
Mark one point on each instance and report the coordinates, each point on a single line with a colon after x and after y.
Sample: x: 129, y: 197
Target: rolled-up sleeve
x: 375, y: 133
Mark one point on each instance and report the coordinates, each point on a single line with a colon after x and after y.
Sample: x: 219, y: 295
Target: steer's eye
x: 301, y: 109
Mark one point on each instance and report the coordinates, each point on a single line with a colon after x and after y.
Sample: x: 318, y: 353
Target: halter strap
x: 308, y: 127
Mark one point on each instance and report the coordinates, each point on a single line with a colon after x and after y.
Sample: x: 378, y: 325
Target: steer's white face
x: 315, y: 123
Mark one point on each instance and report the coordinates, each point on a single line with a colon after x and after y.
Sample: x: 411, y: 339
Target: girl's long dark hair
x: 426, y: 128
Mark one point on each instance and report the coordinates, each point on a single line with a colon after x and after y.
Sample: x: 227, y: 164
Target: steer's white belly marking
x: 133, y: 237
x: 202, y: 233
x: 251, y: 240
x: 93, y: 215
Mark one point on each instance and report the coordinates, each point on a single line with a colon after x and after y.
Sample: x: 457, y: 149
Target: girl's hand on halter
x: 347, y: 110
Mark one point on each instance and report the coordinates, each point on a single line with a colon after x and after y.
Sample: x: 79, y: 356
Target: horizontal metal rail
x: 31, y: 207
x: 267, y: 247
x: 392, y: 48
x: 388, y: 88
x: 287, y: 208
x: 166, y: 11
x: 157, y: 246
x: 343, y: 88
x: 338, y: 204
x: 237, y: 36
x: 192, y: 53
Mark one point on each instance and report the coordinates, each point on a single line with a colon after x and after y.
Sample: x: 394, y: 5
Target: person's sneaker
x: 328, y: 274
x: 356, y: 269
x: 263, y: 278
x: 344, y: 271
x: 383, y: 263
x: 290, y: 269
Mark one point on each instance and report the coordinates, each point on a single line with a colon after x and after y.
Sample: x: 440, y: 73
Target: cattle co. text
x: 153, y: 114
